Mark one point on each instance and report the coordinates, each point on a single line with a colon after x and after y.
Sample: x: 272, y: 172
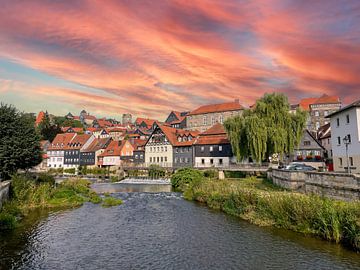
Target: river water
x: 160, y: 231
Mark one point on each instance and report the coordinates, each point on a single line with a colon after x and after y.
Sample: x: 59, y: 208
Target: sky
x: 149, y: 57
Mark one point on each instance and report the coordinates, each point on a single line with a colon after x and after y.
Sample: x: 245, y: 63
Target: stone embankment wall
x: 4, y: 191
x: 339, y: 186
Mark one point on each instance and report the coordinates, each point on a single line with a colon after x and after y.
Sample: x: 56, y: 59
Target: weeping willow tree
x: 269, y: 128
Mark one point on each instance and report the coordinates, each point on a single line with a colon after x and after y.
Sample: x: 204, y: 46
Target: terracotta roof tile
x: 114, y: 148
x: 39, y: 117
x: 173, y: 134
x: 78, y: 141
x: 61, y: 141
x: 324, y: 99
x: 214, y: 135
x: 222, y: 107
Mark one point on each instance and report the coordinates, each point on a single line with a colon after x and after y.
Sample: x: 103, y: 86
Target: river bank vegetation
x: 28, y: 193
x: 262, y: 203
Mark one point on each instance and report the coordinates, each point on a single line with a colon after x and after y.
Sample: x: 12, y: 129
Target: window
x: 337, y: 122
x: 213, y: 120
x: 221, y: 118
x: 165, y: 158
x: 211, y: 148
x: 141, y: 156
x: 181, y: 160
x: 157, y: 159
x: 338, y: 140
x: 347, y: 119
x: 204, y: 120
x: 211, y: 161
x: 316, y: 113
x: 340, y: 162
x: 162, y: 159
x: 351, y: 161
x: 349, y: 138
x: 150, y: 159
x: 158, y: 149
x: 221, y: 161
x: 202, y: 161
x: 162, y: 149
x: 307, y: 143
x: 202, y: 148
x: 165, y: 147
x: 176, y: 160
x: 326, y: 113
x: 220, y: 148
x: 317, y: 125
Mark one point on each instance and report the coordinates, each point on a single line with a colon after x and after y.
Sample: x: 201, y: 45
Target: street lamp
x: 346, y: 141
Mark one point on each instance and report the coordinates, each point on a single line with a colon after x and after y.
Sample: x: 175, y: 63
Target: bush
x: 114, y: 179
x: 70, y: 171
x: 7, y: 221
x: 184, y: 177
x: 111, y: 201
x: 234, y: 174
x: 46, y: 178
x: 155, y: 172
x: 211, y: 174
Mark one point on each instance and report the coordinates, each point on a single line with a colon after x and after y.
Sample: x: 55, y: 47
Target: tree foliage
x: 19, y: 141
x: 48, y: 130
x: 64, y: 122
x: 266, y: 129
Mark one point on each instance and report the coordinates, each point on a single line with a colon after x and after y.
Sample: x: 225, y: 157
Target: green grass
x: 111, y: 201
x: 262, y: 203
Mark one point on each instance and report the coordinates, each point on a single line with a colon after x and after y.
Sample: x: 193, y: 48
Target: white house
x: 346, y: 123
x: 55, y: 151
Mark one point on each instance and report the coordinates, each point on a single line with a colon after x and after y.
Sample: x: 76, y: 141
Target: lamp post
x: 346, y: 141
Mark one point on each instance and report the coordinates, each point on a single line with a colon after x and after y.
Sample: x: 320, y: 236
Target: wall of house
x: 183, y: 156
x: 71, y: 158
x: 112, y: 161
x: 339, y: 150
x: 56, y: 158
x: 154, y: 153
x: 4, y: 192
x: 204, y: 157
x: 308, y: 147
x: 323, y: 110
x: 87, y: 158
x: 139, y: 156
x: 205, y: 162
x: 196, y: 122
x: 333, y: 185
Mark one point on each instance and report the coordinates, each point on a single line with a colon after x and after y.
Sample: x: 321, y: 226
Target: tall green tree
x: 19, y: 141
x: 266, y: 129
x: 64, y: 122
x: 48, y: 130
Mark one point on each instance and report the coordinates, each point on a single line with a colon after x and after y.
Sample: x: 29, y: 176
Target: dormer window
x: 179, y: 139
x: 185, y: 139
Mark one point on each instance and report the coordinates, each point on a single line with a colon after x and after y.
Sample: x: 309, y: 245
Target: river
x: 160, y: 231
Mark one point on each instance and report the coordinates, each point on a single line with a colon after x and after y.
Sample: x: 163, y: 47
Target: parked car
x: 297, y: 166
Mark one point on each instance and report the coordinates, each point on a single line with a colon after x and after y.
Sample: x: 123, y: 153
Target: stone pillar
x: 221, y: 175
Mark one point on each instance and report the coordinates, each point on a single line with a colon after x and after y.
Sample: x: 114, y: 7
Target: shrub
x: 114, y: 179
x: 211, y: 174
x: 184, y: 177
x: 46, y: 178
x: 7, y: 221
x: 155, y: 171
x: 70, y: 171
x: 111, y: 201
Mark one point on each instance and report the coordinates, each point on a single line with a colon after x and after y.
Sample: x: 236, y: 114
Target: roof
x: 97, y: 144
x: 147, y: 121
x: 61, y: 140
x: 90, y: 117
x: 75, y: 129
x: 39, y: 117
x: 113, y: 149
x: 314, y: 138
x: 92, y: 129
x: 324, y: 99
x: 78, y: 141
x: 221, y: 107
x: 173, y: 134
x: 324, y: 131
x: 214, y: 135
x: 138, y: 144
x: 348, y: 107
x: 179, y: 115
x: 104, y: 123
x: 44, y: 143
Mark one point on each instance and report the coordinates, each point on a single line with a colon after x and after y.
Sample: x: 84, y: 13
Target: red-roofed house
x: 212, y: 148
x: 89, y: 154
x: 177, y: 119
x: 72, y: 149
x: 206, y: 116
x: 56, y: 149
x: 144, y: 123
x: 170, y: 147
x: 115, y: 153
x: 319, y: 109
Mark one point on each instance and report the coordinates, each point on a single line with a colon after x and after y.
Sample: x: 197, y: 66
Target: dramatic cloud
x: 150, y: 57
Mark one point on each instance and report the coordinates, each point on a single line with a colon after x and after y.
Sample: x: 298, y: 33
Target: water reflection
x: 161, y: 231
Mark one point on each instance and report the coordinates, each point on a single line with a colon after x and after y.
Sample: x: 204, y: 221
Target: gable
x: 172, y: 117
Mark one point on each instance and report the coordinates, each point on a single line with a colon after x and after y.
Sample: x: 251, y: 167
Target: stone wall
x: 4, y: 191
x: 339, y: 186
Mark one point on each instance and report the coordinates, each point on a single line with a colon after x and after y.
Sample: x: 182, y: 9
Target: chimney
x: 237, y: 100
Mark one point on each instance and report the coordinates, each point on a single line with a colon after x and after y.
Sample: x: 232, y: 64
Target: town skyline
x: 151, y: 58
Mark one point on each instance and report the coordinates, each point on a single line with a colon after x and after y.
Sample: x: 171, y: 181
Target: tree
x: 19, y: 141
x: 266, y: 129
x: 47, y: 130
x: 64, y: 122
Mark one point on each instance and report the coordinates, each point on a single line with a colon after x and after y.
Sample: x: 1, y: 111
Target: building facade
x: 346, y: 123
x: 309, y: 149
x: 126, y: 118
x: 55, y: 152
x: 177, y: 119
x: 72, y: 150
x: 207, y: 116
x: 89, y: 154
x: 115, y: 152
x: 212, y: 148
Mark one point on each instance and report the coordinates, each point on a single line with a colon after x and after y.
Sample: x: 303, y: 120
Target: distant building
x: 324, y: 137
x: 346, y: 123
x: 90, y: 153
x: 177, y: 119
x: 45, y: 144
x: 69, y: 116
x: 212, y: 148
x: 309, y: 149
x: 139, y: 150
x: 206, y: 116
x: 72, y: 149
x: 126, y: 118
x: 145, y: 123
x: 319, y: 109
x: 115, y: 153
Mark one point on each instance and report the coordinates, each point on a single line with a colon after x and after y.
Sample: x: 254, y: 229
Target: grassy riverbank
x: 28, y: 194
x: 264, y: 204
